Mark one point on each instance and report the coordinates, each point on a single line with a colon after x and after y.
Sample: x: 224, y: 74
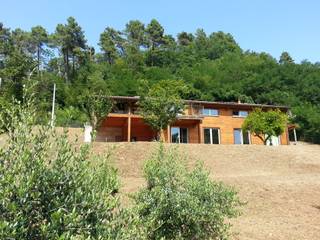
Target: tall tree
x: 39, y: 37
x: 185, y: 39
x: 220, y: 44
x: 111, y: 43
x: 155, y: 34
x: 69, y: 38
x: 285, y: 58
x: 135, y: 32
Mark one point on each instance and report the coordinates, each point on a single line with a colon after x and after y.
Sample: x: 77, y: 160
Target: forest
x: 211, y: 65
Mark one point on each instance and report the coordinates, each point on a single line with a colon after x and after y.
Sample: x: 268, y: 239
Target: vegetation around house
x: 161, y: 104
x: 182, y: 204
x: 212, y: 65
x: 265, y: 124
x: 51, y: 189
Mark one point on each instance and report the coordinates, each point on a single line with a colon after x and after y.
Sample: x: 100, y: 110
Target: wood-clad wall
x: 116, y: 128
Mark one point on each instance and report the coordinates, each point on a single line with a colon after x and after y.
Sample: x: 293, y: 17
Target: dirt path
x: 281, y: 185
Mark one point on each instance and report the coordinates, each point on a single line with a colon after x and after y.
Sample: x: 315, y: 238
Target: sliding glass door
x: 211, y: 135
x: 241, y: 137
x: 179, y: 135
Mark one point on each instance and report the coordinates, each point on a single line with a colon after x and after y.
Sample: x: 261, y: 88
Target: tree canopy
x: 265, y: 124
x: 212, y: 65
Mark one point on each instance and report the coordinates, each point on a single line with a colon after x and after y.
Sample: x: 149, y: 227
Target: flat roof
x: 229, y: 104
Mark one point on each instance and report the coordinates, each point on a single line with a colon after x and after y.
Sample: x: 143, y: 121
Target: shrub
x: 70, y: 116
x: 182, y: 204
x: 50, y: 189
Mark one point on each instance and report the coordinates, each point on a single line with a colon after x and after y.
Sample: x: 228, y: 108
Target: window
x: 210, y: 112
x: 120, y: 108
x: 236, y: 113
x: 241, y: 137
x: 211, y: 135
x: 179, y: 135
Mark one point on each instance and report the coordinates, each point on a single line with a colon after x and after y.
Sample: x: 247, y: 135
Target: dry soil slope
x: 280, y: 184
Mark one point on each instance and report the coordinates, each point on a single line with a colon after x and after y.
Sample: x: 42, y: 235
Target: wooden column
x: 129, y: 129
x: 168, y: 134
x: 200, y: 134
x: 129, y: 124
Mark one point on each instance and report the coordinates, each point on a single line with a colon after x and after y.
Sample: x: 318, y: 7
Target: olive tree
x: 52, y: 189
x: 96, y: 104
x: 265, y: 124
x: 181, y: 204
x: 161, y: 103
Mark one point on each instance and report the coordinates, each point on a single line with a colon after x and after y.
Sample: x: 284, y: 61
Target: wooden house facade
x: 202, y: 122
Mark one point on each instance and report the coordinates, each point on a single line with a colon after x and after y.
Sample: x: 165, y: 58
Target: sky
x: 271, y: 26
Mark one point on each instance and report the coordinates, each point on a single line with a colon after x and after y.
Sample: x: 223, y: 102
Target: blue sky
x: 271, y: 26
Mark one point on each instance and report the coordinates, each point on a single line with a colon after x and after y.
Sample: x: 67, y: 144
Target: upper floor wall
x: 200, y: 109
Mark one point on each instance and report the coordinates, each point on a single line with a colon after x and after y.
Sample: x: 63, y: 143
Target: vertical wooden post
x: 168, y: 134
x: 129, y: 129
x: 200, y: 133
x: 129, y: 124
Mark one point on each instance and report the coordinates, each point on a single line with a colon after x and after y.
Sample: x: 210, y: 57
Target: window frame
x: 179, y: 135
x: 239, y: 113
x: 209, y: 115
x: 241, y: 137
x: 211, y: 135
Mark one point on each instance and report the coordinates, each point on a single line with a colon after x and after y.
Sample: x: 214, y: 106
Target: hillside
x: 280, y: 184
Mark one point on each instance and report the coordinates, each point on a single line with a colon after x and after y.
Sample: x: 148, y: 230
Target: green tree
x: 285, y: 58
x: 135, y: 32
x: 161, y: 104
x: 185, y: 39
x: 69, y: 38
x: 111, y: 44
x: 94, y: 99
x: 39, y: 37
x: 265, y: 124
x: 221, y: 43
x: 182, y: 204
x: 64, y: 195
x: 155, y: 34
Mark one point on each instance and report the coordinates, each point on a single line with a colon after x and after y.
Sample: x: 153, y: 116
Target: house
x: 202, y: 122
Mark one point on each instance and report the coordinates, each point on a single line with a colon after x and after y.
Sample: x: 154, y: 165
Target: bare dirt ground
x: 281, y: 185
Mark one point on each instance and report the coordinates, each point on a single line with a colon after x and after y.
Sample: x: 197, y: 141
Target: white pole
x: 295, y: 135
x: 0, y: 81
x: 53, y: 103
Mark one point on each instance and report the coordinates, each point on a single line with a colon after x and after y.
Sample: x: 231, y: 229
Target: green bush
x: 50, y: 189
x: 70, y: 117
x: 182, y: 204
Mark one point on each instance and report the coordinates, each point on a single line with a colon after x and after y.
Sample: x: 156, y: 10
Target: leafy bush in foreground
x: 52, y: 190
x: 182, y: 204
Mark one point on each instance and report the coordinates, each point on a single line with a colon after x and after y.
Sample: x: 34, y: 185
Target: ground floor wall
x: 116, y: 129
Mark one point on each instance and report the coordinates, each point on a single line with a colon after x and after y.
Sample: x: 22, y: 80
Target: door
x: 179, y: 135
x: 274, y: 141
x: 211, y: 135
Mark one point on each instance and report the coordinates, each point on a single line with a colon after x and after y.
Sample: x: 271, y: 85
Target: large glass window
x: 237, y: 136
x: 210, y: 112
x: 237, y: 113
x: 175, y: 133
x: 211, y: 135
x: 179, y: 135
x: 241, y: 137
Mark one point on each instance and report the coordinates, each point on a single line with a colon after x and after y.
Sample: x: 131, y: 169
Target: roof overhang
x: 234, y: 105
